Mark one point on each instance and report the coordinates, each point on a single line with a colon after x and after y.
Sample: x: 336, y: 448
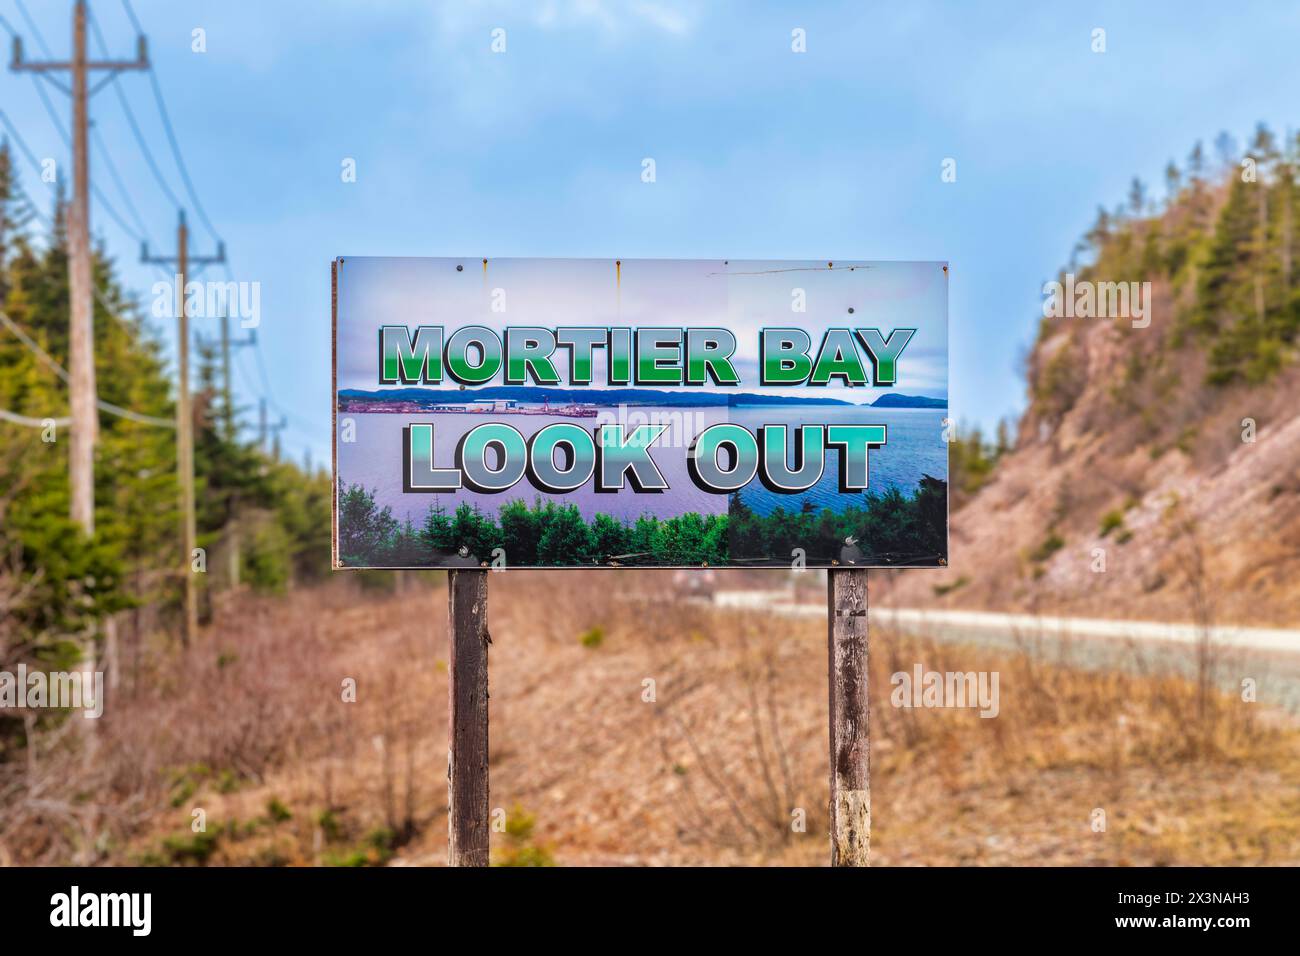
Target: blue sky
x: 760, y: 153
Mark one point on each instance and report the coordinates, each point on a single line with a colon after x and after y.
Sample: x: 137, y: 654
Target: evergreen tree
x: 1225, y: 147
x: 1173, y: 182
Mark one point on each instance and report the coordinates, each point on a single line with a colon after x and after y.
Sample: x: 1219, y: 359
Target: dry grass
x: 252, y: 728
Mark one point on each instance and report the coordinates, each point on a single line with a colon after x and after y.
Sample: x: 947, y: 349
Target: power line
x: 188, y: 183
x: 180, y: 163
x: 49, y: 360
x: 36, y: 78
x: 36, y: 31
x: 95, y: 190
x: 99, y: 297
x: 121, y: 186
x: 144, y: 147
x: 134, y: 126
x: 22, y: 143
x: 26, y: 209
x: 103, y: 147
x: 266, y: 390
x: 270, y: 396
x: 135, y: 22
x: 31, y: 158
x: 35, y: 210
x: 141, y: 141
x: 171, y: 134
x: 50, y: 111
x: 131, y: 121
x: 62, y: 373
x: 8, y: 416
x: 115, y: 215
x: 36, y: 164
x: 306, y: 439
x: 266, y: 387
x: 138, y: 235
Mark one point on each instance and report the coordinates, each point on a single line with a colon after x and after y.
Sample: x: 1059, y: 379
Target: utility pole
x: 275, y: 438
x: 234, y: 548
x: 227, y: 392
x: 265, y: 429
x: 184, y: 418
x: 230, y: 431
x: 81, y: 347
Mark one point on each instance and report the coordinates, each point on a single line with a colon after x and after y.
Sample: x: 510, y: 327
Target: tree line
x: 1224, y: 239
x: 56, y: 584
x: 893, y: 527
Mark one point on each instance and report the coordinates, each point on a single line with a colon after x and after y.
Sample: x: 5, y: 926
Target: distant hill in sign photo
x: 618, y: 396
x: 894, y: 400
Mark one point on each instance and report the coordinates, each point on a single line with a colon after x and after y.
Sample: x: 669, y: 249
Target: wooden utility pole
x: 81, y: 335
x: 227, y: 394
x: 467, y: 724
x: 229, y: 422
x: 231, y: 432
x: 184, y: 418
x: 850, y: 803
x: 264, y: 429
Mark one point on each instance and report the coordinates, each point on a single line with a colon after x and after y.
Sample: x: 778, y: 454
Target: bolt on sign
x: 639, y: 413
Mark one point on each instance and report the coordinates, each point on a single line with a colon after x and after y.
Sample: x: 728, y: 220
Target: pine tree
x: 1137, y: 196
x: 1225, y: 147
x: 14, y: 215
x: 1173, y: 182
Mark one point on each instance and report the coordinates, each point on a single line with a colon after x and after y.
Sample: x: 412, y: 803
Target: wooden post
x: 467, y: 725
x: 850, y: 803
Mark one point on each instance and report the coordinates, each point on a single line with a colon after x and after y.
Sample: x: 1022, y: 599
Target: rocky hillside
x: 1156, y: 470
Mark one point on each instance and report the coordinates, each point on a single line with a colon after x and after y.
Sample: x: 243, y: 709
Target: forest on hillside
x: 1222, y: 242
x: 1160, y: 446
x: 1220, y: 248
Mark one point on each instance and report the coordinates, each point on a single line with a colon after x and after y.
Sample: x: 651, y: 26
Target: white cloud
x: 612, y: 18
x: 666, y: 17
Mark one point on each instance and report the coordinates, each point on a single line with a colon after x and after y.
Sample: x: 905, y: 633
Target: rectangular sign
x: 589, y: 413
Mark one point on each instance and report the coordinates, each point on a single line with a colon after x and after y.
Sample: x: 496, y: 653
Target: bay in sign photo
x: 648, y: 413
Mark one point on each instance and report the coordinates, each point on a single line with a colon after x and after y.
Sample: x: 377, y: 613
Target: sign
x: 639, y: 413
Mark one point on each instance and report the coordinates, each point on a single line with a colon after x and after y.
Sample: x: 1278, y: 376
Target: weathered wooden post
x: 467, y: 725
x: 850, y: 803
